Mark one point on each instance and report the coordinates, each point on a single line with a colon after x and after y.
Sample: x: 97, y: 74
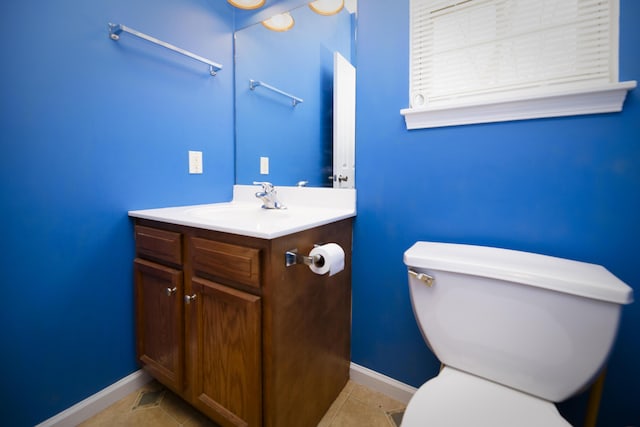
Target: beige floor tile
x: 355, y: 413
x: 177, y: 408
x: 355, y: 406
x: 199, y: 420
x: 132, y: 418
x: 150, y: 417
x: 108, y: 415
x: 373, y: 398
x: 336, y: 405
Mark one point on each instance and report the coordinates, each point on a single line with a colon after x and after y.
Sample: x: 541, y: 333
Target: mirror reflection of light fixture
x: 281, y: 22
x: 246, y: 4
x: 327, y: 7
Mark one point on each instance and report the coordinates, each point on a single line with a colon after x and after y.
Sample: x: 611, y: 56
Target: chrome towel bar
x: 255, y: 83
x: 116, y: 29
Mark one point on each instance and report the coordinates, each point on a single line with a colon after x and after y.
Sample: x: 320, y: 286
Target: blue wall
x: 567, y: 187
x: 91, y: 128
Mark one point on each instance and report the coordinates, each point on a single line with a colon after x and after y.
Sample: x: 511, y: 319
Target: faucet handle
x: 267, y: 187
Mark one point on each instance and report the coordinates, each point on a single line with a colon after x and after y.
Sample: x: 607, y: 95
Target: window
x: 480, y: 61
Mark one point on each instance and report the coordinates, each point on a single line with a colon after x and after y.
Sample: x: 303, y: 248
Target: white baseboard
x: 381, y: 383
x: 90, y: 406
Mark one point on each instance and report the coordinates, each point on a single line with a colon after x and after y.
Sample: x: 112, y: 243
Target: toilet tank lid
x: 543, y: 271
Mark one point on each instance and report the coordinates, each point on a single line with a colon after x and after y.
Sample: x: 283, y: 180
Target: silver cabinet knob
x: 189, y: 298
x: 171, y: 291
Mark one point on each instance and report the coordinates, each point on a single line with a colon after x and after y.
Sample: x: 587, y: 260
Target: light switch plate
x: 195, y: 162
x: 264, y: 166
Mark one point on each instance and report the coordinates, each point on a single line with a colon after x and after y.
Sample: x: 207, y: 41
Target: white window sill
x: 606, y: 98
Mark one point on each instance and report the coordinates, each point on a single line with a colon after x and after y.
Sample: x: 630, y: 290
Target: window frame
x: 537, y: 102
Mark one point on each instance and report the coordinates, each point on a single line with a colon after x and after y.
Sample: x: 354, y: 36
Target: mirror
x: 284, y: 99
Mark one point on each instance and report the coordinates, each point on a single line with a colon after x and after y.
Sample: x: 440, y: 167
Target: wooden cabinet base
x: 245, y: 339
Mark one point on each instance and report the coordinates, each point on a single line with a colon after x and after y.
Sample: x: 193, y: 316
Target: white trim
x: 602, y: 99
x: 381, y: 383
x: 92, y: 405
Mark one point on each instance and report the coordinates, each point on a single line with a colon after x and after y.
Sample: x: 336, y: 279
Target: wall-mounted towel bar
x: 255, y: 83
x: 116, y: 29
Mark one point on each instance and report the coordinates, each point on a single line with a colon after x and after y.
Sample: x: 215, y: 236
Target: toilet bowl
x: 516, y: 332
x: 455, y: 398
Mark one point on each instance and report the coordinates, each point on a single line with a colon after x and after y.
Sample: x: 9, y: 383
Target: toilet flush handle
x: 428, y: 280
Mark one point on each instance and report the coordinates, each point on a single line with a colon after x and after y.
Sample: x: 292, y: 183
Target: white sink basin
x: 246, y: 216
x: 237, y: 213
x: 250, y: 216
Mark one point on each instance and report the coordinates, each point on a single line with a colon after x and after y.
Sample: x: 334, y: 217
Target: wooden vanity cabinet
x: 251, y: 342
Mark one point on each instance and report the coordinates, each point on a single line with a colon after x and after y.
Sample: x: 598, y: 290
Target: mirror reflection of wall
x: 297, y: 140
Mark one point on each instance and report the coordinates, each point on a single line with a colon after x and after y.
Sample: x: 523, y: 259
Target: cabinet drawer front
x: 158, y: 244
x: 226, y: 261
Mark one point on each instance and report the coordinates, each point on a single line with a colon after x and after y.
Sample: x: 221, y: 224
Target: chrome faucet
x: 269, y: 196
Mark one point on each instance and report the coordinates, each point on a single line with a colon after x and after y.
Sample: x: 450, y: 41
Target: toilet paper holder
x: 292, y: 257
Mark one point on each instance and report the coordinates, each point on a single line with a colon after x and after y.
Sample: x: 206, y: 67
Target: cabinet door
x: 159, y: 321
x: 225, y: 338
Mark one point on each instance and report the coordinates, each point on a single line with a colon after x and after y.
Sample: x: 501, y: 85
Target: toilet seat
x: 455, y: 399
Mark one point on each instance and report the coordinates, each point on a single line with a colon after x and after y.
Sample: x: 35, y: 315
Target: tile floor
x: 154, y: 405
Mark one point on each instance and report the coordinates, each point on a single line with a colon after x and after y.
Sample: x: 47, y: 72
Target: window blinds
x: 473, y: 48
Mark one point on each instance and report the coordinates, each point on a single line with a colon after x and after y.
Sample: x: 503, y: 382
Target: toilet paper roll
x: 331, y: 259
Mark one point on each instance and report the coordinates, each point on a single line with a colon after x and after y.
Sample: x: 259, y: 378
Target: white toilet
x: 516, y: 332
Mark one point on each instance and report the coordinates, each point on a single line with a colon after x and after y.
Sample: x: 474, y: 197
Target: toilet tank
x: 539, y: 324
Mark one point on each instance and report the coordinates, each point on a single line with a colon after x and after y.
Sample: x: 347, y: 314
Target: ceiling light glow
x: 246, y: 4
x: 281, y: 22
x: 327, y: 7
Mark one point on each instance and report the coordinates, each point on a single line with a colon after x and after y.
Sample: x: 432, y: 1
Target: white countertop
x: 306, y: 208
